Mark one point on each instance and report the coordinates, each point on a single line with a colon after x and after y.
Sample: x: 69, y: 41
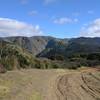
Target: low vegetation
x: 17, y: 53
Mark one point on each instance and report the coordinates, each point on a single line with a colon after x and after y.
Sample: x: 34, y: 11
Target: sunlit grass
x: 4, y: 91
x: 35, y: 96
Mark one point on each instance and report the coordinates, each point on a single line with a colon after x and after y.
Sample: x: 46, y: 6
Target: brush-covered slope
x: 54, y: 48
x: 36, y: 44
x: 33, y: 45
x: 71, y: 47
x: 13, y: 57
x: 32, y: 52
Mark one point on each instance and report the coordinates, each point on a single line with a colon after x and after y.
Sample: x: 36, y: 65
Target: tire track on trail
x: 92, y: 85
x: 64, y: 89
x: 78, y: 86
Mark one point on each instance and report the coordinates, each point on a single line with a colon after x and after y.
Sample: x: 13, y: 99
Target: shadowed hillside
x: 48, y: 52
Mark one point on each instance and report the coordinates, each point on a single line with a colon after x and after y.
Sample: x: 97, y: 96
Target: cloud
x: 92, y: 29
x: 65, y: 20
x: 10, y: 27
x: 33, y: 13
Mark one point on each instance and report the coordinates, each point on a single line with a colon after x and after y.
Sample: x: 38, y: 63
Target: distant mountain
x: 25, y: 50
x: 43, y: 45
x: 68, y: 47
x: 32, y: 44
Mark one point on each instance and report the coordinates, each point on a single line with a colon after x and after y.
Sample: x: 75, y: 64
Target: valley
x: 45, y: 52
x: 49, y: 49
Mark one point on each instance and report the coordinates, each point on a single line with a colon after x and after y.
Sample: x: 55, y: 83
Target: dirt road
x: 79, y: 85
x: 55, y: 84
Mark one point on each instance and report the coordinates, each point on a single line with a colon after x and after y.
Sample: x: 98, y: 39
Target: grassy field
x: 54, y: 84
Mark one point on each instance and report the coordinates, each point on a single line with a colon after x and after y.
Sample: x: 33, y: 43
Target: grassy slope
x: 24, y: 84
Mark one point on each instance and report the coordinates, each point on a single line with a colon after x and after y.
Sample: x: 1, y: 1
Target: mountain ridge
x: 31, y: 51
x: 37, y: 44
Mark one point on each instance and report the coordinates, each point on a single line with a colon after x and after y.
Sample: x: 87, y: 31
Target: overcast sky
x: 58, y: 18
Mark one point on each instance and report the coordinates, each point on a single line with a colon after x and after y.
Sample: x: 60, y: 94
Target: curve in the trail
x: 78, y: 86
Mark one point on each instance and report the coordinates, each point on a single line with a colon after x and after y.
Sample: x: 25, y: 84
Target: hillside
x: 33, y: 45
x: 39, y: 44
x: 48, y: 52
x: 14, y: 57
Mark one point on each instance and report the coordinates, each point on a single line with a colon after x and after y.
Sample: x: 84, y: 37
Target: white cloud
x: 92, y: 29
x: 10, y: 27
x: 65, y: 20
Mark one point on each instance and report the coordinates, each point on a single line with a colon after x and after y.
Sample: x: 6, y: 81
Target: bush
x: 2, y: 69
x: 55, y: 66
x: 23, y: 61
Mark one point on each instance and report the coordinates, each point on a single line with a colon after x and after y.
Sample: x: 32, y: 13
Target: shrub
x: 23, y: 61
x: 2, y: 69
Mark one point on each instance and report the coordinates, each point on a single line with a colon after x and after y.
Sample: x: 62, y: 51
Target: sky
x: 58, y: 18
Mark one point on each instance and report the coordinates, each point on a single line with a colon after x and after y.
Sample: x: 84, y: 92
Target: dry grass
x: 33, y: 84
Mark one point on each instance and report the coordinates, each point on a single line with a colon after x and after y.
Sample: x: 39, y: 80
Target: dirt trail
x: 78, y: 86
x: 58, y: 84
